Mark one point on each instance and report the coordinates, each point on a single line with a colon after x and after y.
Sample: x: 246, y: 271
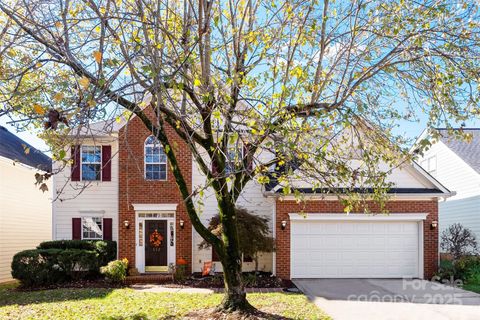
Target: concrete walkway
x: 162, y: 288
x: 348, y: 299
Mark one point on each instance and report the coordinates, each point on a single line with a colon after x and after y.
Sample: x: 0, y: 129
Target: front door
x: 156, y: 245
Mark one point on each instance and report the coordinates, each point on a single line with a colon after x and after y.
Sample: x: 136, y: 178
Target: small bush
x: 466, y: 269
x: 59, y: 261
x: 115, y: 271
x: 40, y: 267
x: 463, y: 266
x: 473, y: 275
x: 106, y: 249
x: 458, y: 241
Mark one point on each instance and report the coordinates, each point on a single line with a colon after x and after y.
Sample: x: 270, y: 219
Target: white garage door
x: 354, y: 249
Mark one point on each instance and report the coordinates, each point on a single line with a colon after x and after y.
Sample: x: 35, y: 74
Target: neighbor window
x: 91, y: 163
x: 155, y: 160
x: 430, y: 165
x: 92, y: 228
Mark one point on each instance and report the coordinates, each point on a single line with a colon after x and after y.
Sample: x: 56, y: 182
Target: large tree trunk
x: 235, y: 298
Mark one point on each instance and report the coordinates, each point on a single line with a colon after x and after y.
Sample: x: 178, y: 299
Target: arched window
x: 155, y: 160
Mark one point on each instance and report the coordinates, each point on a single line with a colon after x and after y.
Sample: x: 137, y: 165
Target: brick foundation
x: 430, y: 245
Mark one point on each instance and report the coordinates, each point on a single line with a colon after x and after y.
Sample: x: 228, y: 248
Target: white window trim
x: 81, y: 162
x: 155, y: 206
x: 145, y: 162
x: 81, y: 226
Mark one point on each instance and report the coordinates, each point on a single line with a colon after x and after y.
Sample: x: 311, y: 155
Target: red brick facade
x: 133, y: 188
x: 287, y: 206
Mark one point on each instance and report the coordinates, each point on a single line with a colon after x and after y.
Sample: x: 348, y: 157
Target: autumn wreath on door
x: 156, y: 239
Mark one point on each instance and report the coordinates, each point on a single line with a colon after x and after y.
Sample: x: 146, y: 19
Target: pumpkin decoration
x: 181, y: 262
x: 155, y: 239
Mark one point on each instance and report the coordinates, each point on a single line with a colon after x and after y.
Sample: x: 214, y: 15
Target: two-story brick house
x: 120, y: 187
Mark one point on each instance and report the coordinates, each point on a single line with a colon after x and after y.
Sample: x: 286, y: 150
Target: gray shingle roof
x: 12, y: 147
x: 468, y: 151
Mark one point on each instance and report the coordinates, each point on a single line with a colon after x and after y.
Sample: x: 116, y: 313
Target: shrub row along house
x: 26, y: 212
x: 120, y: 187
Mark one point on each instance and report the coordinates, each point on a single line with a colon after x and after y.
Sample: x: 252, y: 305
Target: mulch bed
x: 250, y: 280
x: 210, y: 314
x: 261, y: 280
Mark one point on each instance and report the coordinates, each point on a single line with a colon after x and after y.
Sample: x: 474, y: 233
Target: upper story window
x: 91, y: 163
x: 155, y: 160
x: 430, y: 165
x: 234, y: 156
x: 92, y: 228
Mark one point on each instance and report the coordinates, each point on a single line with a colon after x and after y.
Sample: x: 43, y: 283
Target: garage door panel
x: 349, y: 249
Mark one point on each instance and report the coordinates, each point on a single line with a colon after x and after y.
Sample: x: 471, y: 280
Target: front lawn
x: 102, y: 303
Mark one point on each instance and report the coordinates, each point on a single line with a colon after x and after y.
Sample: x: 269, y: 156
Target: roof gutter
x: 333, y: 196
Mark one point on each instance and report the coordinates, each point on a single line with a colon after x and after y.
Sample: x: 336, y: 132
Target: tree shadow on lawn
x: 208, y: 314
x: 13, y: 296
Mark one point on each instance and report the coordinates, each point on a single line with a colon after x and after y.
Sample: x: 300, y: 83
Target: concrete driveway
x: 346, y: 299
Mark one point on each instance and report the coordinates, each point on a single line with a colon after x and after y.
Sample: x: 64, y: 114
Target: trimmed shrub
x: 115, y: 271
x: 60, y: 261
x: 106, y: 249
x: 39, y: 267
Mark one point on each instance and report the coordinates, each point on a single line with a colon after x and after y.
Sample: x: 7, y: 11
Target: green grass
x: 127, y: 303
x: 472, y: 287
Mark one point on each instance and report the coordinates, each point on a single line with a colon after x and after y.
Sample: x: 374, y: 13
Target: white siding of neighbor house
x: 25, y: 213
x: 77, y: 199
x: 457, y: 176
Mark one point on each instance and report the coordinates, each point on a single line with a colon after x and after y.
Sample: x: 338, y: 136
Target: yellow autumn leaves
x: 84, y: 82
x: 38, y: 109
x: 97, y: 55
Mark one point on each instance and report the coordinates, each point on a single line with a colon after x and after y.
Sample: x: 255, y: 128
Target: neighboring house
x: 128, y: 195
x: 25, y: 212
x: 456, y: 164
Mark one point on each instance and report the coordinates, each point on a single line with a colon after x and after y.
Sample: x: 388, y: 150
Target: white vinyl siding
x: 457, y: 176
x: 25, y: 213
x: 251, y: 199
x: 83, y: 198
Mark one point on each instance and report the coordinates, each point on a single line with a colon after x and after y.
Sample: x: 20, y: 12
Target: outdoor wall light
x: 182, y: 224
x: 284, y: 224
x: 434, y: 224
x: 126, y: 223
